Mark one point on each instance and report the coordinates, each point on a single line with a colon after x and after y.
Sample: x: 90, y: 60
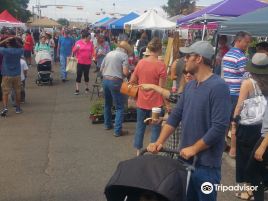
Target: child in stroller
x: 43, y: 60
x: 44, y: 73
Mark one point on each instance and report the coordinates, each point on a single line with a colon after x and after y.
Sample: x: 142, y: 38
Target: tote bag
x: 71, y: 64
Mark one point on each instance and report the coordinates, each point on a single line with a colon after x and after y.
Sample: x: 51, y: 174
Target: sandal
x: 244, y: 196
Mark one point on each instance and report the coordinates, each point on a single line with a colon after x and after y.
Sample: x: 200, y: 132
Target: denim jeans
x: 142, y: 114
x: 55, y: 55
x: 111, y: 89
x: 199, y: 176
x: 63, y: 61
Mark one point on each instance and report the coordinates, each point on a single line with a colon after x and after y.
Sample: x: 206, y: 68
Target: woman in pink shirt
x: 83, y: 51
x: 149, y: 71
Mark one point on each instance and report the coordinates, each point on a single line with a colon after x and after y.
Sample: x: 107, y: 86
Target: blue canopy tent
x: 106, y: 24
x: 103, y: 20
x: 119, y: 24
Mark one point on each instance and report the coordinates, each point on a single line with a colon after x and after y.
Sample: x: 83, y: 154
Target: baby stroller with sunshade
x: 44, y: 68
x: 150, y: 177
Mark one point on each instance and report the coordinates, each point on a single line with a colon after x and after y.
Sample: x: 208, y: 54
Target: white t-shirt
x: 264, y: 130
x: 24, y: 67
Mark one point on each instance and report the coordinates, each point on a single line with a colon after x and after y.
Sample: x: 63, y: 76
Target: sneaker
x: 76, y: 92
x: 87, y: 90
x: 4, y: 112
x: 108, y: 128
x: 116, y: 135
x: 18, y: 110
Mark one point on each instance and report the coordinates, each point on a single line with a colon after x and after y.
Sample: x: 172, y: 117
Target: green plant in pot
x: 97, y: 108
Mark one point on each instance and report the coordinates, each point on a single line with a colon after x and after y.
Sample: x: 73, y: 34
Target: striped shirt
x: 233, y: 65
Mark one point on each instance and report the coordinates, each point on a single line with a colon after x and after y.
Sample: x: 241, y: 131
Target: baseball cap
x: 203, y: 48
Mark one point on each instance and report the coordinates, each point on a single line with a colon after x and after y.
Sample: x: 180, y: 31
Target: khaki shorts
x: 11, y: 82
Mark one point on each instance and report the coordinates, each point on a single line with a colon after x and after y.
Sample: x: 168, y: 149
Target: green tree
x: 176, y: 7
x: 63, y: 22
x: 17, y: 8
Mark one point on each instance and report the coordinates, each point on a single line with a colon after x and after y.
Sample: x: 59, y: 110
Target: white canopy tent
x: 150, y: 20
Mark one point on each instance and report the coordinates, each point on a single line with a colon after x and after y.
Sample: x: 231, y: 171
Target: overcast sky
x: 92, y: 7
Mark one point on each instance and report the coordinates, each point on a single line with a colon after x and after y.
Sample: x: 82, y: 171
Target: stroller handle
x: 173, y: 151
x: 163, y: 150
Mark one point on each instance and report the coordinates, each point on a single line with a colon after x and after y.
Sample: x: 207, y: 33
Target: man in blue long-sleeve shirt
x: 204, y: 110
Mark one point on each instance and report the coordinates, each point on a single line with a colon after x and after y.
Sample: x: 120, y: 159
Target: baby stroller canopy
x: 149, y: 173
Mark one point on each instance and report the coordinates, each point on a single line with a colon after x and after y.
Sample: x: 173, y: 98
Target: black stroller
x: 149, y: 177
x: 44, y: 69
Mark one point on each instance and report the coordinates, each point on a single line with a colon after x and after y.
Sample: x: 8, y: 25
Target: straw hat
x: 126, y: 46
x: 147, y: 52
x: 258, y: 64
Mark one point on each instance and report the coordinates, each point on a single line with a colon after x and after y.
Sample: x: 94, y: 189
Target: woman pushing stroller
x: 43, y: 60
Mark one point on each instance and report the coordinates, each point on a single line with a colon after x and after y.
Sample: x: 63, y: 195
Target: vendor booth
x: 254, y: 22
x: 101, y: 21
x: 119, y: 24
x: 7, y: 20
x: 106, y: 24
x: 152, y: 21
x: 224, y: 10
x: 44, y: 22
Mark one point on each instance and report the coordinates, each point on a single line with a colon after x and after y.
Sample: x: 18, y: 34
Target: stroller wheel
x: 37, y: 82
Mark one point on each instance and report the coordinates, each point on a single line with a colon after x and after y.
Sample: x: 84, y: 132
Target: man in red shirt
x: 28, y: 47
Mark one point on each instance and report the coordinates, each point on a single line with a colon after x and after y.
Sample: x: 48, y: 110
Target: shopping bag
x: 71, y: 64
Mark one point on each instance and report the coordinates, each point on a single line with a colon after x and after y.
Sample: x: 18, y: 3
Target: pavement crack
x: 46, y: 194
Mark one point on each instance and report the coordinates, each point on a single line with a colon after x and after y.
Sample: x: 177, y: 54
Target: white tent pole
x: 204, y: 31
x: 204, y: 26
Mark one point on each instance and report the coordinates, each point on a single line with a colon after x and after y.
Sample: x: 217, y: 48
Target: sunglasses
x: 186, y: 72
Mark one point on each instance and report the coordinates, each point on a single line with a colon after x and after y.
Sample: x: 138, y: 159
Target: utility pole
x: 39, y: 10
x: 38, y: 6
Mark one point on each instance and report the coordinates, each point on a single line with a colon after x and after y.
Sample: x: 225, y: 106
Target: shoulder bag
x: 129, y: 89
x: 252, y: 112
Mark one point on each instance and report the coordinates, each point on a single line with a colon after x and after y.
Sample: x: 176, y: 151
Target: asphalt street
x: 52, y: 152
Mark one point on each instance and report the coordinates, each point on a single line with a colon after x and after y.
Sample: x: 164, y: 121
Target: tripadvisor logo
x: 208, y: 188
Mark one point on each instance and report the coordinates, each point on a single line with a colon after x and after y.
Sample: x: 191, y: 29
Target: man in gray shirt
x: 114, y: 68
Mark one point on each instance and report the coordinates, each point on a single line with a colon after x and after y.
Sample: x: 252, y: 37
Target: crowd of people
x: 208, y: 108
x: 47, y: 48
x: 194, y: 119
